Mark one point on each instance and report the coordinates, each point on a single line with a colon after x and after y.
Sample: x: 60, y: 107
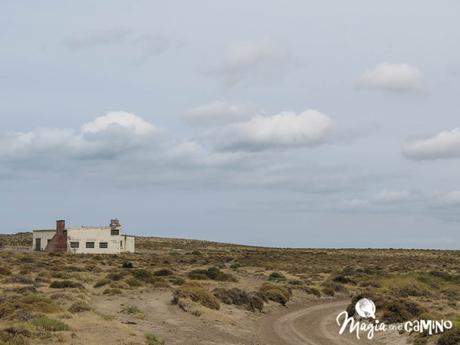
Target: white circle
x: 365, y: 308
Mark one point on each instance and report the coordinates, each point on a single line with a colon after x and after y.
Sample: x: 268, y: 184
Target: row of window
x: 89, y: 245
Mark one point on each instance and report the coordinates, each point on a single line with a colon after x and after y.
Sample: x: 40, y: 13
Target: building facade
x: 84, y: 240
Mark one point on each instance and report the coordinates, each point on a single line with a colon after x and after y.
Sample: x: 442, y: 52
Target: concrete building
x: 84, y: 240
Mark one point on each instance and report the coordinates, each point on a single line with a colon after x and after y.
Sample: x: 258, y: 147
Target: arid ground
x: 194, y: 292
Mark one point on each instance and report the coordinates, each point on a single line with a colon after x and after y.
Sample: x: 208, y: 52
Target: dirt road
x: 315, y: 324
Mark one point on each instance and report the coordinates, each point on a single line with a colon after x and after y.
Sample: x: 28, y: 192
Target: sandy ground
x: 304, y: 323
x: 229, y: 326
x: 315, y: 324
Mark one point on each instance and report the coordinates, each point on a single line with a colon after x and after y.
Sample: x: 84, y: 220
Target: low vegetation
x: 236, y: 296
x: 152, y: 339
x: 43, y: 296
x: 65, y: 284
x: 196, y: 293
x: 51, y: 325
x: 275, y: 293
x: 212, y: 273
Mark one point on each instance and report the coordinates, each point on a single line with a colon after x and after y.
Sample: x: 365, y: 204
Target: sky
x: 278, y: 123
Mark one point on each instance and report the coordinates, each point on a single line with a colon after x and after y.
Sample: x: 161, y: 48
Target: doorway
x: 38, y: 244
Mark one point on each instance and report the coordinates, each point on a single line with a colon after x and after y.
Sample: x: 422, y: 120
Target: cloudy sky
x: 281, y: 123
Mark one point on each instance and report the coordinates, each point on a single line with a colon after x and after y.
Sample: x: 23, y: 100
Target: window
x: 74, y: 244
x: 121, y: 244
x: 103, y: 245
x: 114, y: 232
x: 89, y: 244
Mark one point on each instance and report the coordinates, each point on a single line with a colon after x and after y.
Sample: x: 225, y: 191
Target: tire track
x: 311, y: 325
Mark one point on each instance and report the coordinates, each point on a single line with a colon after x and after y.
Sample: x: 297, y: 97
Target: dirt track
x: 314, y: 324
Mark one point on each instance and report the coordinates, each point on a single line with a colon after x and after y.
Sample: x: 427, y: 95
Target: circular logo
x: 365, y: 308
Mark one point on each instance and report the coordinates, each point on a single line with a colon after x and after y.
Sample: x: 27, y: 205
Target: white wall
x: 44, y: 236
x: 129, y: 244
x: 115, y: 243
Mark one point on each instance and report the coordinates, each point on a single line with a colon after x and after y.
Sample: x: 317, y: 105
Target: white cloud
x: 443, y: 145
x: 218, y: 112
x: 259, y: 62
x: 283, y: 130
x: 118, y: 139
x: 118, y: 121
x: 449, y: 199
x: 393, y: 196
x: 392, y: 77
x: 384, y: 200
x: 107, y: 137
x: 20, y: 145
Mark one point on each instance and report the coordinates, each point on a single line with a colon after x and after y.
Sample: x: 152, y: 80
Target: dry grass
x: 404, y: 284
x: 197, y: 293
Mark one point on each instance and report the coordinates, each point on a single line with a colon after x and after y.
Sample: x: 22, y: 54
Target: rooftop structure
x: 85, y: 239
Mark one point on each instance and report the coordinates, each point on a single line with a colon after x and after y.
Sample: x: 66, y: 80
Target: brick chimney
x: 59, y: 241
x: 60, y: 226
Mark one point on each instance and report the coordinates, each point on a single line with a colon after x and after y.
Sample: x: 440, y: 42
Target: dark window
x: 121, y: 244
x: 103, y: 245
x: 74, y: 244
x: 89, y: 244
x: 114, y: 232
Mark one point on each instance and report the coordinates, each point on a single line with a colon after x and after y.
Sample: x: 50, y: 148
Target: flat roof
x: 90, y: 228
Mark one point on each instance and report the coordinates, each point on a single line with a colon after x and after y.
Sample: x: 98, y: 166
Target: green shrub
x: 127, y: 264
x: 328, y: 291
x: 112, y: 291
x: 400, y: 310
x: 115, y: 276
x: 65, y: 284
x: 152, y: 339
x: 131, y: 309
x: 212, y: 273
x: 101, y: 283
x: 143, y: 275
x: 275, y: 293
x: 343, y: 280
x: 239, y: 297
x: 133, y: 282
x: 276, y: 277
x: 4, y: 271
x: 198, y: 294
x: 36, y: 302
x: 79, y: 307
x: 163, y: 273
x: 50, y: 325
x: 176, y: 280
x: 451, y: 337
x: 312, y: 291
x: 330, y: 287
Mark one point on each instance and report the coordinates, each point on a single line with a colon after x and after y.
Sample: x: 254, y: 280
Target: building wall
x: 111, y: 244
x: 85, y: 236
x: 129, y: 246
x: 44, y: 236
x: 101, y: 237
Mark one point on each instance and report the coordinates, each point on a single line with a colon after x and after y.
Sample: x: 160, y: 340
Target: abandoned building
x: 84, y: 240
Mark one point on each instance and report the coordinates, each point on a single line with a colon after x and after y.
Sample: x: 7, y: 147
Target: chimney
x: 60, y: 226
x: 58, y: 242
